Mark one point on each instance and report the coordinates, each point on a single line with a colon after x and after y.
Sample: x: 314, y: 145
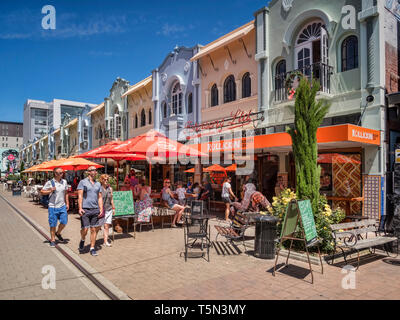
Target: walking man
x: 57, y: 189
x: 90, y: 204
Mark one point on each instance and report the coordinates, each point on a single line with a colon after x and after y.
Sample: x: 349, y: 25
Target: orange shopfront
x: 340, y: 157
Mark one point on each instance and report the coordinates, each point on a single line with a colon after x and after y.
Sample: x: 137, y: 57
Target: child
x: 180, y: 191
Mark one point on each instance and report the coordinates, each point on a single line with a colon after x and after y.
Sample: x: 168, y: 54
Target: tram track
x: 75, y: 263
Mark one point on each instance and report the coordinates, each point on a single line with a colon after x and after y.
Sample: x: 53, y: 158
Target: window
x: 350, y: 53
x: 214, y: 96
x: 136, y: 121
x: 281, y: 68
x: 150, y: 119
x: 246, y: 85
x: 177, y: 99
x: 165, y: 110
x: 85, y: 134
x: 310, y: 33
x: 229, y: 89
x: 143, y: 118
x: 190, y: 103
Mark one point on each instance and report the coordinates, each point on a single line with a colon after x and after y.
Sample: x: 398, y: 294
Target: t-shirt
x: 225, y: 190
x: 91, y: 196
x: 106, y: 193
x: 134, y: 181
x: 57, y: 198
x: 181, y: 193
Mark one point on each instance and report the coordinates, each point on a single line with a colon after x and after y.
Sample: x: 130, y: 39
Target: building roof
x: 138, y: 86
x: 96, y: 109
x: 11, y: 122
x: 71, y: 123
x: 224, y: 40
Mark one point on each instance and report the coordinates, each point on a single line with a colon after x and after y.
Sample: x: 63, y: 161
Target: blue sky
x: 96, y: 41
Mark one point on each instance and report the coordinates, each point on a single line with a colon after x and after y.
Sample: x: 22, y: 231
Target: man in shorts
x: 90, y: 204
x: 57, y: 189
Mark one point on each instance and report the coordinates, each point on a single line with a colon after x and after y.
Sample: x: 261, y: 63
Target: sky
x: 96, y: 41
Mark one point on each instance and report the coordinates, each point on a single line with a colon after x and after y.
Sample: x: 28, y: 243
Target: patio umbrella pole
x: 117, y: 175
x: 150, y: 174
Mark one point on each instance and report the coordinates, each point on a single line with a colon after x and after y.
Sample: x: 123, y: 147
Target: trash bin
x: 16, y: 191
x: 264, y: 243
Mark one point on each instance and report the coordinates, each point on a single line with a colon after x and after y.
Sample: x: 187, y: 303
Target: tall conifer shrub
x: 309, y: 114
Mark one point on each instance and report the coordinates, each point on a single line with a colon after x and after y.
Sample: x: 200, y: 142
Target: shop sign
x: 239, y: 118
x: 364, y: 135
x: 218, y: 177
x: 397, y: 155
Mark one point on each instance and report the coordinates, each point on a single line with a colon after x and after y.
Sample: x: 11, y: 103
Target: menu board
x: 123, y: 201
x: 291, y: 218
x: 307, y: 218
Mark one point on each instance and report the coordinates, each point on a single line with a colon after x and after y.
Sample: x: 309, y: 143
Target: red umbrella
x: 154, y: 143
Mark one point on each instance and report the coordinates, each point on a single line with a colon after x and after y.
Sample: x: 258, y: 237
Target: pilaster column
x: 220, y: 95
x: 238, y: 89
x: 207, y: 103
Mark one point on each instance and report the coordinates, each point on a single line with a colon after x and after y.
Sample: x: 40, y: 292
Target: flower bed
x: 323, y: 219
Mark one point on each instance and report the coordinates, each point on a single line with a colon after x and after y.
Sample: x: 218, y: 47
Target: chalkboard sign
x: 307, y: 218
x: 123, y: 201
x: 291, y: 217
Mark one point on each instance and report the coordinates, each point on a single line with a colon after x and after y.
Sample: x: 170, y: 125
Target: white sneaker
x: 107, y: 244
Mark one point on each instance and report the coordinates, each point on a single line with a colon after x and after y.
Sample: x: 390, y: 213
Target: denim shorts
x: 226, y: 200
x: 56, y: 214
x: 90, y: 219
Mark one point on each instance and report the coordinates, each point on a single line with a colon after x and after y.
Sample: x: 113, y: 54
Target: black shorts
x: 90, y: 218
x: 226, y: 200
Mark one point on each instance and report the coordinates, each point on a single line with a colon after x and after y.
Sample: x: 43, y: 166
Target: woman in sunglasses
x: 168, y: 197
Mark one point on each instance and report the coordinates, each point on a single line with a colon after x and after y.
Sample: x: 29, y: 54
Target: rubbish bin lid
x: 266, y: 218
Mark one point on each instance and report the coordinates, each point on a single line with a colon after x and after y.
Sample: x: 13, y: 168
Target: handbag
x: 103, y: 213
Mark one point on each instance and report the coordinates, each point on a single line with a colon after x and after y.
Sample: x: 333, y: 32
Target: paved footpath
x: 24, y: 253
x: 150, y: 267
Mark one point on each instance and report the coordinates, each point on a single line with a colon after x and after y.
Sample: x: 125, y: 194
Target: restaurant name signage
x: 363, y: 135
x: 237, y: 119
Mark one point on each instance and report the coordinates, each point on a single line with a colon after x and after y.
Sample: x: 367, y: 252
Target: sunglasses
x: 92, y: 170
x: 167, y: 181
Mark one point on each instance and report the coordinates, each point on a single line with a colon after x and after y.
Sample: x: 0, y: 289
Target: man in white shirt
x: 57, y: 189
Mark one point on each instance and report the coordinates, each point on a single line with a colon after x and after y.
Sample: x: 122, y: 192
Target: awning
x: 138, y: 86
x: 341, y: 136
x: 224, y: 40
x: 98, y: 108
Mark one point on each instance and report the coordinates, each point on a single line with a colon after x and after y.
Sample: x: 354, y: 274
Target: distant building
x: 10, y: 141
x: 40, y: 116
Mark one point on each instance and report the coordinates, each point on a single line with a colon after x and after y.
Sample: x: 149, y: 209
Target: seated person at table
x: 196, y: 189
x: 168, y: 197
x: 190, y: 182
x: 144, y: 197
x: 253, y: 201
x: 180, y: 191
x: 207, y: 191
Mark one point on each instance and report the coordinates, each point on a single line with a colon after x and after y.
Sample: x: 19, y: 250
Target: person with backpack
x: 58, y: 207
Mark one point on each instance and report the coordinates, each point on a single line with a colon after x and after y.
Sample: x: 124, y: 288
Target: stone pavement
x: 150, y: 267
x: 23, y: 254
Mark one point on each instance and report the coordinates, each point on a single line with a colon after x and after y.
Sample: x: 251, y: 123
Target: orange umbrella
x: 232, y: 167
x: 215, y: 167
x: 190, y: 171
x: 72, y: 164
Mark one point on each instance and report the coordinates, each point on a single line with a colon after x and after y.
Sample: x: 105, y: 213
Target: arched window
x: 164, y: 109
x: 214, y: 96
x: 136, y: 121
x: 280, y: 68
x: 150, y: 119
x: 246, y: 85
x: 229, y: 89
x: 143, y: 118
x: 190, y: 103
x: 350, y: 53
x: 177, y: 99
x: 310, y: 33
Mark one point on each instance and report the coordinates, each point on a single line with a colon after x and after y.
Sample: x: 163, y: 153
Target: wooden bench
x: 163, y: 211
x: 235, y: 231
x: 354, y: 236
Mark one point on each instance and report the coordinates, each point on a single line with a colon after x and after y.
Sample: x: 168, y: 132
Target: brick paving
x: 23, y: 255
x: 150, y: 267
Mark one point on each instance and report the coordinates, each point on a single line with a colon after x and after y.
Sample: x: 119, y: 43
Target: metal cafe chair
x: 194, y: 232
